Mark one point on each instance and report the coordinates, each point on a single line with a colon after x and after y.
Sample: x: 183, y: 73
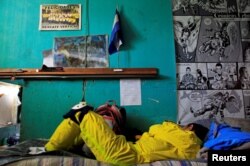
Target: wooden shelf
x: 80, y: 73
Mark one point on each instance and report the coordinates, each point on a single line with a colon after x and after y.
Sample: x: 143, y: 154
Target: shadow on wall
x: 131, y: 35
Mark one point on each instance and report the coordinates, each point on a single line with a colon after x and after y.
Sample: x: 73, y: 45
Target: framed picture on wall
x: 81, y: 51
x: 60, y: 17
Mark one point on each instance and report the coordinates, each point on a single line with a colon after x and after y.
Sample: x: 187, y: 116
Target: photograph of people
x: 246, y: 54
x: 222, y: 76
x: 201, y: 81
x: 188, y: 79
x: 244, y: 80
x: 192, y: 76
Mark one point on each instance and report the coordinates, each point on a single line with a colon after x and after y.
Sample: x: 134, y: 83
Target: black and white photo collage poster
x: 212, y: 47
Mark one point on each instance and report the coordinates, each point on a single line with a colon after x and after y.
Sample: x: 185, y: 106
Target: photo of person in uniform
x: 188, y: 80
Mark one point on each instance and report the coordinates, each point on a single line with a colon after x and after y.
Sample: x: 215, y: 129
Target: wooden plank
x: 81, y: 73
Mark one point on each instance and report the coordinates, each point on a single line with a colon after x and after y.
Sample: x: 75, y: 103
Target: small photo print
x: 244, y: 75
x: 246, y: 49
x: 222, y: 75
x: 246, y: 95
x: 192, y: 76
x: 245, y: 29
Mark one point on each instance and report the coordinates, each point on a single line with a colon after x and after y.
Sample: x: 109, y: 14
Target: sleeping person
x: 163, y: 141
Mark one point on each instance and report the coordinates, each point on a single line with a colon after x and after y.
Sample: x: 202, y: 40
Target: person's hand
x: 203, y: 153
x: 137, y: 137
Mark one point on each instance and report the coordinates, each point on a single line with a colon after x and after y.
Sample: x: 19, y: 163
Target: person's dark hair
x: 241, y: 71
x: 188, y: 68
x: 199, y: 130
x: 199, y: 72
x: 219, y: 64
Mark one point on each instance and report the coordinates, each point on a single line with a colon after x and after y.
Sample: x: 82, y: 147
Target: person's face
x: 188, y: 71
x: 218, y: 69
x: 198, y: 74
x: 188, y: 127
x: 217, y: 34
x: 245, y: 73
x: 247, y: 54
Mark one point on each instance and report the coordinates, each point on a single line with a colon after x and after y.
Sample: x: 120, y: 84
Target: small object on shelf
x: 20, y: 71
x: 117, y: 70
x: 51, y: 69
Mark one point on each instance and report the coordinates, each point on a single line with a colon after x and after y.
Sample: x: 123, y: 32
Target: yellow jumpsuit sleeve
x: 187, y: 143
x: 104, y: 143
x: 65, y: 137
x: 167, y: 140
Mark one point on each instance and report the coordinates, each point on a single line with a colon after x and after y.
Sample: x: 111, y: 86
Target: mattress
x: 18, y: 155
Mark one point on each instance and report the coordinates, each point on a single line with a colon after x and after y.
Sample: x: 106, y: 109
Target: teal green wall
x: 148, y: 35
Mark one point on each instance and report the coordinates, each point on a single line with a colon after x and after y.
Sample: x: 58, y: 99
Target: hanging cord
x: 84, y: 90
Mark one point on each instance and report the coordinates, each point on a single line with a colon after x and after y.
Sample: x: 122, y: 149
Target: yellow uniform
x: 163, y: 141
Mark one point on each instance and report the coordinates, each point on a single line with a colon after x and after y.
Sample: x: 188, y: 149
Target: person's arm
x: 203, y: 153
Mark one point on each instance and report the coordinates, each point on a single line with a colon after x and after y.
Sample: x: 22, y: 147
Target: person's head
x: 188, y: 70
x: 199, y: 73
x: 247, y: 53
x: 199, y: 130
x: 218, y: 68
x: 243, y: 72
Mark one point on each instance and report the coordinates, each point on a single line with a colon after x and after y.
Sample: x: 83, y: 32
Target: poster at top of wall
x: 60, y: 17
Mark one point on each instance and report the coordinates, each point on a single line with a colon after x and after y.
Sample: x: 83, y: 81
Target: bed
x: 19, y: 155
